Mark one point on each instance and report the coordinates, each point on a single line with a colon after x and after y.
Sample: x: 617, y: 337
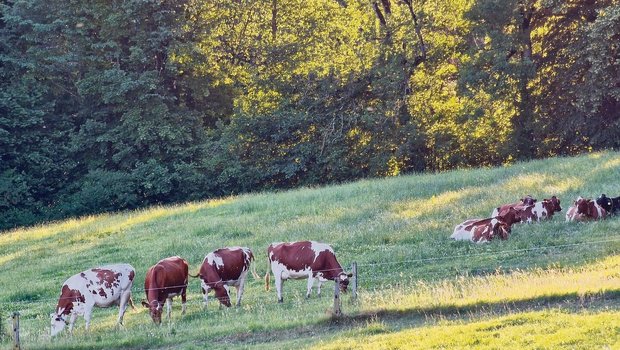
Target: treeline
x: 117, y: 104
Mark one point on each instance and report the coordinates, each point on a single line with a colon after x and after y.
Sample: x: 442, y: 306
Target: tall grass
x: 396, y: 229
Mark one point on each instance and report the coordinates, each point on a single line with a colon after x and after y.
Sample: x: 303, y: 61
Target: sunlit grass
x: 516, y: 286
x: 553, y: 329
x: 396, y: 229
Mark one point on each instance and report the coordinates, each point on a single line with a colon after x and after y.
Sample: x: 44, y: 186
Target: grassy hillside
x: 536, y: 290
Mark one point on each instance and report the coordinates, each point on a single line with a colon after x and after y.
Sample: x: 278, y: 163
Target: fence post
x: 337, y: 312
x: 16, y: 345
x: 354, y: 284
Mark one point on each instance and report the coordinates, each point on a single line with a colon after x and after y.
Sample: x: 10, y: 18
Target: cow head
x: 343, y: 281
x: 582, y: 206
x: 221, y: 293
x: 528, y: 200
x: 155, y: 308
x: 510, y: 216
x: 58, y: 323
x: 555, y: 204
x: 604, y: 202
x: 501, y: 230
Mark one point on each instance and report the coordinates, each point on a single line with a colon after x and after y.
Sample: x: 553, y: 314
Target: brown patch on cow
x: 67, y: 297
x: 107, y: 278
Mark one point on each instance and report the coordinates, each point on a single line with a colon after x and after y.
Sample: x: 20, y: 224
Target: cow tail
x: 267, y: 276
x: 256, y: 276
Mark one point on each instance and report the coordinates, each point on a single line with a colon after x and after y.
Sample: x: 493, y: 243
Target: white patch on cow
x: 319, y: 247
x: 214, y: 259
x: 538, y: 210
x: 495, y: 213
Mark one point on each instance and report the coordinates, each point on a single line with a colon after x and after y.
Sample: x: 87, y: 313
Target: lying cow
x: 102, y: 287
x: 484, y: 230
x: 611, y: 205
x: 304, y: 259
x: 527, y: 200
x: 165, y: 280
x: 585, y: 209
x: 538, y: 211
x: 225, y: 267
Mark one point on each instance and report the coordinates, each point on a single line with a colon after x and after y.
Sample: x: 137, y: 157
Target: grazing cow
x: 527, y: 200
x: 102, y: 287
x: 166, y: 279
x: 225, y: 267
x: 539, y: 210
x: 304, y: 259
x: 611, y: 205
x: 585, y: 209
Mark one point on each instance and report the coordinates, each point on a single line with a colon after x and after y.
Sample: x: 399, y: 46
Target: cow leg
x: 87, y: 315
x: 279, y: 282
x: 168, y: 307
x: 183, y: 300
x: 240, y: 292
x: 124, y: 302
x: 72, y: 322
x: 318, y: 287
x: 310, y: 283
x: 205, y: 295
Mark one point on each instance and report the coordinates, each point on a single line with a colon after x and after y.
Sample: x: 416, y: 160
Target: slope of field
x: 417, y: 289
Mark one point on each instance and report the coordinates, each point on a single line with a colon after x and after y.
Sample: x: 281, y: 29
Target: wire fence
x: 370, y: 274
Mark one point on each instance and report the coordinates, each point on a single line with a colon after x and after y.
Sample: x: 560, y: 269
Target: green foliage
x: 118, y: 105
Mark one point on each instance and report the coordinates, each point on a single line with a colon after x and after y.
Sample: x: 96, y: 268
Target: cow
x: 304, y: 259
x: 527, y: 200
x: 585, y: 209
x: 481, y: 230
x: 101, y: 286
x: 165, y: 280
x: 611, y: 205
x: 222, y: 268
x: 484, y: 230
x: 539, y: 210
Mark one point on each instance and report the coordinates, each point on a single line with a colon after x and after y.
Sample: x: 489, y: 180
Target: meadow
x: 551, y: 285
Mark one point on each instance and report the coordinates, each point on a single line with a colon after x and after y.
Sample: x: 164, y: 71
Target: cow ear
x: 145, y: 304
x: 349, y: 275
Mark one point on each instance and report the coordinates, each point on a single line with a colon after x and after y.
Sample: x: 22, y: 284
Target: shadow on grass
x: 415, y: 317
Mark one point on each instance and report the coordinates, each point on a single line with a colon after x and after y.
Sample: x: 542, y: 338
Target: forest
x: 109, y: 105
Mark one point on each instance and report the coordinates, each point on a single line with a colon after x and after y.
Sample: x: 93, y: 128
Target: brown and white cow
x: 527, y: 200
x: 484, y: 230
x: 102, y: 287
x: 538, y: 211
x: 222, y: 268
x: 165, y: 280
x: 304, y: 259
x: 585, y: 209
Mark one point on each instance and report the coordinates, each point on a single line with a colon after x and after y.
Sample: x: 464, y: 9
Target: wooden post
x: 354, y: 284
x: 337, y: 311
x: 16, y: 345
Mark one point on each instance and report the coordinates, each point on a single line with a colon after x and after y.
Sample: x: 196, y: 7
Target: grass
x: 417, y: 288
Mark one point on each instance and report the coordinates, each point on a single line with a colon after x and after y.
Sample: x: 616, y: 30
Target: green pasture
x: 553, y: 285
